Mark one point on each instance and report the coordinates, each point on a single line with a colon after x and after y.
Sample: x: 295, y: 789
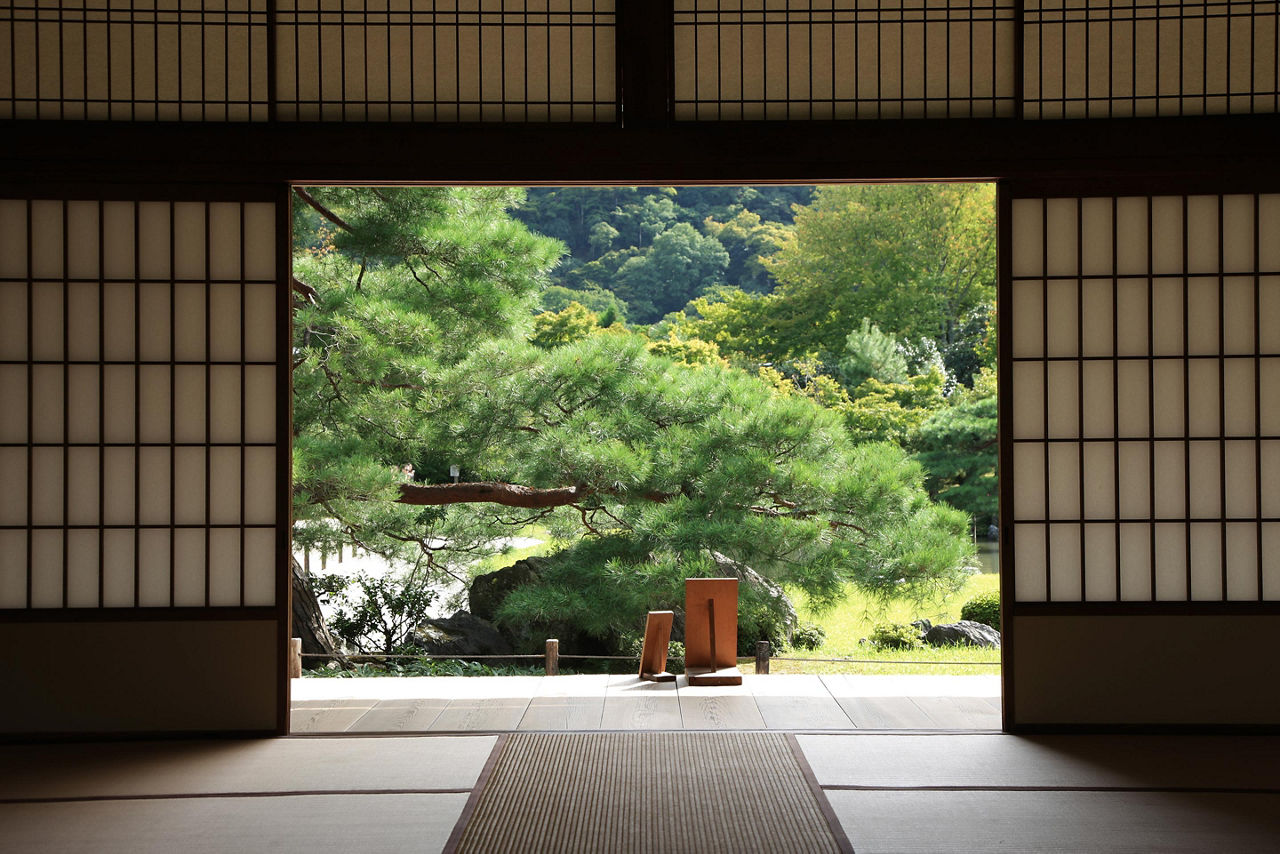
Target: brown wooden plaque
x: 711, y: 631
x: 653, y: 657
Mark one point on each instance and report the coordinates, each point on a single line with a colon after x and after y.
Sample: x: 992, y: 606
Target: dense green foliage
x: 984, y: 608
x: 423, y: 347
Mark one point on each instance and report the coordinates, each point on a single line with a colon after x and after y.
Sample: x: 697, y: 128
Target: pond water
x: 989, y: 556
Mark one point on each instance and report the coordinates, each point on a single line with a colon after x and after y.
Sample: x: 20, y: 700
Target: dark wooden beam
x: 1220, y: 151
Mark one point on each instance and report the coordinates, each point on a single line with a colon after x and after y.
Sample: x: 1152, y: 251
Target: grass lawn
x: 853, y: 619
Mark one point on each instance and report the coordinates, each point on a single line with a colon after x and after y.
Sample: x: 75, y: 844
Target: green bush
x: 895, y: 636
x: 808, y: 636
x: 983, y: 608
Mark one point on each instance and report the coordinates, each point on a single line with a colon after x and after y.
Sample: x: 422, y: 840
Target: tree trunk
x: 308, y: 622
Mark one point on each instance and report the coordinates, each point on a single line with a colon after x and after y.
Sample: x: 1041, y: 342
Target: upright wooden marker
x: 711, y: 631
x: 653, y: 657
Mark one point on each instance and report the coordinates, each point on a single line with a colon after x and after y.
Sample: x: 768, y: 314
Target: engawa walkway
x: 623, y: 702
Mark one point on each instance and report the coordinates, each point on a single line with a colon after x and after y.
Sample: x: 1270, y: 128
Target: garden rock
x: 489, y: 590
x: 748, y: 577
x: 964, y: 633
x: 923, y: 625
x: 462, y: 634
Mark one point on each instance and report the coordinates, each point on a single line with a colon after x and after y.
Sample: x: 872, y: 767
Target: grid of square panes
x: 138, y: 404
x: 1146, y: 398
x: 1085, y: 59
x: 843, y: 59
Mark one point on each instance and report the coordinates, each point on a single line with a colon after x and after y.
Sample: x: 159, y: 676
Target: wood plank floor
x: 623, y: 702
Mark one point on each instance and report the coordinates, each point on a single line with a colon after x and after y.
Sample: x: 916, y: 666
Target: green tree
x: 553, y: 329
x: 747, y: 239
x: 914, y: 258
x: 870, y: 353
x: 680, y: 265
x: 957, y: 446
x: 892, y: 412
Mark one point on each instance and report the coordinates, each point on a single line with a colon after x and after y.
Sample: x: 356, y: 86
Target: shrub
x: 983, y: 608
x: 808, y: 636
x: 895, y: 636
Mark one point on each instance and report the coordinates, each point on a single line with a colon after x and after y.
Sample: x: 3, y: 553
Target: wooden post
x: 762, y: 657
x: 653, y: 655
x: 553, y: 657
x: 295, y: 658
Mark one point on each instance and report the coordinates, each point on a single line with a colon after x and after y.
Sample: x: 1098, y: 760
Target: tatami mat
x: 234, y: 767
x: 993, y: 761
x: 648, y: 792
x: 885, y: 822
x: 290, y: 824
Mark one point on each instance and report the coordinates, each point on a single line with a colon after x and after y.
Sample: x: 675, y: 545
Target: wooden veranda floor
x: 623, y: 702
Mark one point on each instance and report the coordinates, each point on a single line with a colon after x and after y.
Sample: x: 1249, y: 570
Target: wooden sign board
x: 711, y: 631
x: 653, y: 657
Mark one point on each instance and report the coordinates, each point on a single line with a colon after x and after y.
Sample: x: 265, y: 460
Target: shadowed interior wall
x: 140, y: 436
x: 1143, y: 450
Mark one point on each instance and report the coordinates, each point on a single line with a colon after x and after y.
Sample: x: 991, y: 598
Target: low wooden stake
x: 295, y: 658
x: 762, y: 657
x: 553, y: 657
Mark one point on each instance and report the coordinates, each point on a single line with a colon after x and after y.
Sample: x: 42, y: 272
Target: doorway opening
x: 529, y: 414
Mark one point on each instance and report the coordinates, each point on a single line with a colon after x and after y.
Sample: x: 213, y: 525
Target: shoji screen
x: 1142, y: 444
x: 141, y: 441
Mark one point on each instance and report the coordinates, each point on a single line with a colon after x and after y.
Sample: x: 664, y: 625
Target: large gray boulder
x: 487, y: 591
x: 748, y: 577
x: 462, y: 634
x: 964, y: 633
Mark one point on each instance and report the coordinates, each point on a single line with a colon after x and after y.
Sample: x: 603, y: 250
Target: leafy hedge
x: 983, y: 608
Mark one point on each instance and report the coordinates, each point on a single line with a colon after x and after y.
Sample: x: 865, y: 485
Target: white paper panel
x: 224, y: 567
x: 13, y: 569
x: 153, y: 240
x: 1131, y: 235
x: 47, y: 401
x: 1096, y: 244
x: 47, y: 318
x: 82, y: 319
x: 1167, y: 314
x: 1204, y: 405
x: 154, y: 408
x: 1239, y: 409
x: 1202, y: 234
x: 1028, y: 319
x: 1204, y: 469
x: 259, y: 241
x: 154, y: 479
x: 117, y: 569
x: 1028, y: 481
x: 189, y: 321
x: 189, y: 486
x: 224, y: 331
x: 1271, y: 560
x: 1270, y: 397
x: 1028, y: 400
x: 224, y: 404
x: 1099, y: 399
x: 46, y: 569
x: 117, y: 245
x: 47, y: 486
x: 46, y: 240
x: 189, y: 240
x: 1203, y: 328
x: 188, y: 567
x: 1171, y: 562
x: 155, y: 331
x: 1062, y: 302
x: 224, y: 486
x: 1269, y: 227
x: 1098, y: 328
x: 82, y: 240
x: 118, y: 475
x: 13, y: 498
x: 154, y: 566
x: 189, y: 403
x: 1206, y: 562
x: 1029, y: 543
x: 1099, y: 481
x: 1134, y: 416
x: 1168, y: 391
x: 259, y: 567
x: 260, y: 323
x: 260, y: 404
x: 1065, y: 563
x: 118, y: 403
x: 1241, y: 501
x: 1131, y: 318
x: 1270, y: 451
x: 118, y: 322
x: 1135, y: 489
x: 1135, y: 563
x: 1238, y: 333
x: 224, y: 241
x: 83, y: 506
x: 259, y: 486
x: 1063, y: 237
x: 1170, y: 488
x: 1242, y: 561
x: 13, y: 239
x: 1028, y: 259
x: 1064, y: 481
x: 13, y: 320
x: 84, y: 386
x: 1100, y: 563
x: 13, y: 415
x: 1166, y: 235
x: 1064, y: 400
x: 82, y: 569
